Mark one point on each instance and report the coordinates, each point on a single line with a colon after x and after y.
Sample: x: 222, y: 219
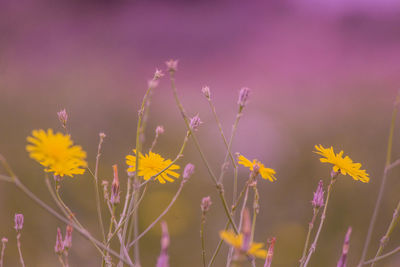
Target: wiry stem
x: 203, y: 244
x: 21, y: 259
x: 218, y: 185
x: 161, y: 215
x: 383, y: 182
x: 385, y: 238
x: 96, y: 184
x: 394, y: 251
x: 310, y: 227
x: 60, y: 259
x: 323, y: 216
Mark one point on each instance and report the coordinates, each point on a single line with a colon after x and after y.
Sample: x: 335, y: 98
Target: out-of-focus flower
x: 158, y: 74
x: 318, y: 200
x: 206, y: 92
x: 159, y: 130
x: 151, y: 164
x: 163, y: 259
x: 18, y: 222
x: 56, y: 153
x: 256, y: 166
x: 172, y: 65
x: 195, y: 122
x: 63, y: 117
x: 346, y: 245
x: 243, y: 96
x: 270, y: 254
x: 59, y: 247
x: 342, y: 165
x: 236, y: 241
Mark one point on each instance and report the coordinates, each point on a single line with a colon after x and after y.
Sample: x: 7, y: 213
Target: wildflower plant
x: 118, y: 198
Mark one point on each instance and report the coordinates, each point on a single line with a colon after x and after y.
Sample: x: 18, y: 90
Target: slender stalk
x: 161, y: 215
x: 21, y: 259
x: 323, y: 216
x: 383, y: 182
x: 203, y: 243
x: 3, y: 248
x: 394, y: 251
x: 96, y: 184
x: 60, y: 259
x: 385, y: 238
x: 310, y: 227
x: 218, y: 185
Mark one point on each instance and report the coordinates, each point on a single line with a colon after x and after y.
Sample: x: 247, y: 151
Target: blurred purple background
x: 320, y: 72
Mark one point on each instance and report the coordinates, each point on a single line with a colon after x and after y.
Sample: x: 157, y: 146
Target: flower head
x: 236, y: 241
x: 151, y: 164
x: 63, y: 117
x: 342, y: 165
x: 195, y: 122
x: 206, y: 92
x: 56, y: 153
x: 243, y: 96
x: 255, y: 165
x: 172, y: 65
x: 205, y: 204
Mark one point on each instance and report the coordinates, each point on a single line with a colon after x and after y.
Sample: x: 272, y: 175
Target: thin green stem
x: 96, y: 184
x: 385, y: 238
x: 310, y: 227
x: 383, y: 182
x: 219, y: 186
x: 323, y: 216
x: 394, y: 251
x: 203, y: 243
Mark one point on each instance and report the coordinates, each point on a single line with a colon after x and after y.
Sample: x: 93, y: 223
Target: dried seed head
x: 59, y: 247
x: 206, y: 92
x: 159, y: 130
x: 195, y: 122
x: 19, y: 222
x: 114, y: 199
x: 318, y: 200
x: 243, y: 96
x: 205, y: 204
x: 172, y: 66
x: 68, y: 237
x: 188, y: 171
x: 63, y: 117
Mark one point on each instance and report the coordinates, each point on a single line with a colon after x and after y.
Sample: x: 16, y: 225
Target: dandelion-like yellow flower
x: 151, y: 164
x: 56, y: 153
x: 266, y: 173
x: 344, y: 165
x: 236, y: 241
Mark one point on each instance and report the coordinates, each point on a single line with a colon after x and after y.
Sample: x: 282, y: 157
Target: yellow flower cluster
x: 56, y: 152
x: 343, y: 164
x: 266, y: 173
x: 151, y: 164
x: 236, y: 241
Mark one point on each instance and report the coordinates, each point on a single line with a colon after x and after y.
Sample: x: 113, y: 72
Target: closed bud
x: 206, y: 92
x: 63, y: 117
x: 318, y: 200
x: 205, y: 204
x: 68, y: 237
x: 243, y: 96
x: 114, y: 199
x: 19, y: 222
x: 59, y: 247
x: 188, y: 171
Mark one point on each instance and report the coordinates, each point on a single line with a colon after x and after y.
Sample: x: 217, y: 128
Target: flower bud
x: 243, y: 96
x: 19, y: 222
x: 59, y: 247
x: 206, y: 92
x: 63, y: 117
x: 172, y: 66
x: 68, y: 237
x: 115, y: 187
x: 188, y: 171
x: 205, y: 204
x: 318, y: 200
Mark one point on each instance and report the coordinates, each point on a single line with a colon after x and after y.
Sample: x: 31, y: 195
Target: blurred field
x: 319, y: 73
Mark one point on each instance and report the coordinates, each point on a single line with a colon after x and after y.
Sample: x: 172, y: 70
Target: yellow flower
x: 344, y: 165
x: 56, y: 153
x: 236, y: 241
x: 151, y: 164
x: 265, y: 173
